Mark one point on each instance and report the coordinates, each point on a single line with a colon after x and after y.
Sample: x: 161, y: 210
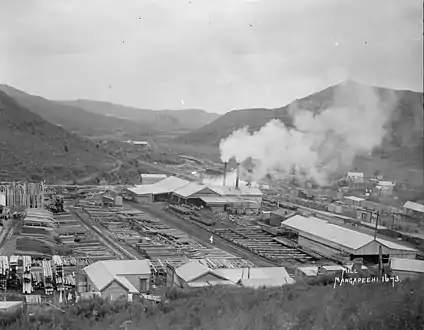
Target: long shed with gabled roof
x: 330, y: 239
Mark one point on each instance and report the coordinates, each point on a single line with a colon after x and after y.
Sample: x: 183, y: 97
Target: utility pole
x: 376, y: 225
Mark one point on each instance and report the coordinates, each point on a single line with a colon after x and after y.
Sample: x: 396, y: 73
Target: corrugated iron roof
x: 281, y: 212
x: 414, y: 206
x: 333, y: 268
x: 342, y: 236
x: 235, y: 274
x: 9, y: 304
x: 191, y: 189
x: 102, y: 273
x: 309, y: 271
x: 164, y: 186
x: 265, y: 282
x: 145, y: 175
x: 232, y: 191
x: 323, y: 229
x: 214, y: 199
x: 386, y: 183
x: 394, y: 246
x: 126, y: 284
x: 408, y: 265
x: 208, y: 283
x: 193, y: 270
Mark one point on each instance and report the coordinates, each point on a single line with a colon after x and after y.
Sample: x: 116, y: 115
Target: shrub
x: 299, y: 306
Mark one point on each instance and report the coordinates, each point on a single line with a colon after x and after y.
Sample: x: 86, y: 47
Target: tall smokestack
x: 238, y: 175
x: 225, y: 173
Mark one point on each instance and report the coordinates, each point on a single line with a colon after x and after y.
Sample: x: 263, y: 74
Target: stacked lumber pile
x: 36, y: 231
x: 34, y: 246
x: 202, y: 220
x: 180, y: 209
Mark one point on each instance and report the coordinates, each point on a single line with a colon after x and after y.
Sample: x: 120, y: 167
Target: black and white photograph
x: 211, y: 164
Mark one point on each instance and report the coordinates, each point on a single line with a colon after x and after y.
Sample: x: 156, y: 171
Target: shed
x: 215, y: 203
x: 190, y: 193
x: 158, y: 191
x: 152, y: 178
x: 331, y: 270
x: 117, y: 278
x: 261, y: 283
x: 352, y: 200
x: 406, y: 268
x: 355, y: 176
x: 7, y: 307
x: 193, y: 274
x: 385, y: 188
x: 330, y: 239
x: 248, y: 193
x: 413, y: 208
x: 306, y: 272
x: 274, y: 276
x: 279, y: 215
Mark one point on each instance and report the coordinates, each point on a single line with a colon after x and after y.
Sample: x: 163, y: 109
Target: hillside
x: 74, y: 119
x: 299, y: 307
x: 31, y: 146
x: 407, y: 124
x: 189, y: 119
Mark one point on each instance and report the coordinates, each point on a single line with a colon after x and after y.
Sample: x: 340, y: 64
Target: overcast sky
x: 217, y: 55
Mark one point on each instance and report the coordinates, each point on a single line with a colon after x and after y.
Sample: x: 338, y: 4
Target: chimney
x: 238, y: 175
x: 225, y: 173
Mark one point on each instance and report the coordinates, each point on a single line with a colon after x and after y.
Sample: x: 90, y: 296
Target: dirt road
x: 117, y: 166
x: 202, y: 236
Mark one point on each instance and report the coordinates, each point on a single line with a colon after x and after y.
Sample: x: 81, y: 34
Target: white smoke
x: 321, y: 144
x: 230, y: 180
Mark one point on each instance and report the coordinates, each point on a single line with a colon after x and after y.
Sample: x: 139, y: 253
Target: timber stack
x: 29, y: 194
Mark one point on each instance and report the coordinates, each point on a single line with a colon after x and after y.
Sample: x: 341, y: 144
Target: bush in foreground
x: 297, y: 307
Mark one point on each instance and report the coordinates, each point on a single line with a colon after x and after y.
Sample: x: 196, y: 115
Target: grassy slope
x: 31, y: 145
x: 164, y: 119
x: 74, y: 119
x: 366, y: 306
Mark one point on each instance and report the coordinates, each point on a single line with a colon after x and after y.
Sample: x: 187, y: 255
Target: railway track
x: 201, y: 234
x: 113, y: 246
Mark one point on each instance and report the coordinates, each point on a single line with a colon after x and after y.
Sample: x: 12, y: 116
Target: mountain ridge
x: 187, y: 119
x: 74, y: 119
x: 31, y: 145
x: 255, y: 118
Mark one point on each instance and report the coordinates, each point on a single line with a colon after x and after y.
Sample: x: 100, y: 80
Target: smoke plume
x: 320, y: 144
x: 230, y: 180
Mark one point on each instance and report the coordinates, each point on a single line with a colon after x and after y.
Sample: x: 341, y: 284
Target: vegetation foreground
x: 360, y: 306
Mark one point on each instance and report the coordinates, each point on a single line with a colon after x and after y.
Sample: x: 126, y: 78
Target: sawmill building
x: 118, y: 278
x: 190, y: 194
x: 245, y: 192
x: 152, y: 178
x: 330, y: 240
x: 160, y: 191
